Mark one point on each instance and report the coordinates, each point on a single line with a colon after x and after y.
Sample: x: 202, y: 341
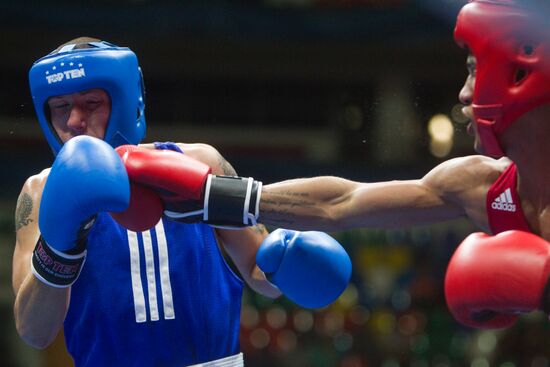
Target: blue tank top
x: 164, y: 297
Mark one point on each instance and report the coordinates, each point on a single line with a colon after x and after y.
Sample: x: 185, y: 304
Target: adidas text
x: 504, y: 206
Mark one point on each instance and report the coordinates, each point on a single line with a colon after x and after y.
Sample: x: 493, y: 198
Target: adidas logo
x: 504, y: 202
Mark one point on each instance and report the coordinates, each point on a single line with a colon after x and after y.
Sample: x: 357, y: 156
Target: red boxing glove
x: 143, y: 213
x: 490, y: 280
x: 187, y: 189
x: 174, y: 176
x: 160, y: 179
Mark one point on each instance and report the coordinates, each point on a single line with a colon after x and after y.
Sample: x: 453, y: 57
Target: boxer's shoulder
x: 458, y: 176
x: 193, y: 150
x: 206, y: 154
x: 477, y: 166
x: 486, y: 170
x: 28, y: 201
x: 36, y: 182
x: 209, y: 155
x: 199, y: 151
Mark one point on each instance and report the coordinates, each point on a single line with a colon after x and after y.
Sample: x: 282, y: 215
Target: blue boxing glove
x: 86, y: 178
x: 311, y: 268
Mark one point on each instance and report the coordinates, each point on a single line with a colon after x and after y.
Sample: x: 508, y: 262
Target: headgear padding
x: 103, y: 65
x: 512, y: 46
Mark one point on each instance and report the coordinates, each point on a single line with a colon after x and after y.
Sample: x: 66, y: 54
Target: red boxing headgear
x: 511, y: 43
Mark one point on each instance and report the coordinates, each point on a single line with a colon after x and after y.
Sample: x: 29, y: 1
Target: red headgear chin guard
x: 512, y: 46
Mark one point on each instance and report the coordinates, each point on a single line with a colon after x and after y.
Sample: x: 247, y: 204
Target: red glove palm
x: 492, y: 279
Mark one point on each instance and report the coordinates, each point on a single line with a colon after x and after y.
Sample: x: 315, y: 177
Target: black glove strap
x: 231, y: 201
x: 55, y: 268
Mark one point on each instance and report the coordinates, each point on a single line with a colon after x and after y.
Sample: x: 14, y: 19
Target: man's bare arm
x: 39, y: 309
x: 449, y: 191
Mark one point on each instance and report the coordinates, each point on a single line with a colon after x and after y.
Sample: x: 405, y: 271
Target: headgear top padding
x: 512, y: 46
x: 104, y: 66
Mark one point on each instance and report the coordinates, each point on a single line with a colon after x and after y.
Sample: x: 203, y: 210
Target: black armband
x: 55, y: 268
x: 231, y: 201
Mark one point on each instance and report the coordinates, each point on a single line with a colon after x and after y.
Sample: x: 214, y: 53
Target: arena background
x: 363, y: 89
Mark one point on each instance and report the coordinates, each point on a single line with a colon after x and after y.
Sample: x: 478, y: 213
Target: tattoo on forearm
x: 303, y: 194
x: 227, y: 169
x: 279, y: 217
x: 23, y: 211
x: 283, y: 207
x: 289, y: 199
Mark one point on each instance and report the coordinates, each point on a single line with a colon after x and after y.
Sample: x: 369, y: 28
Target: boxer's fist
x: 311, y: 268
x: 490, y: 280
x: 143, y: 213
x: 160, y: 180
x: 86, y: 178
x: 177, y: 178
x: 187, y: 189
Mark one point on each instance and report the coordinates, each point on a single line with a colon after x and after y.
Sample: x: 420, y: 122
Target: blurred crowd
x: 393, y: 314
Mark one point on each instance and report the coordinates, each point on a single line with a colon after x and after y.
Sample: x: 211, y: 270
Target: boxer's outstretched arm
x: 191, y: 193
x: 39, y: 309
x: 449, y: 191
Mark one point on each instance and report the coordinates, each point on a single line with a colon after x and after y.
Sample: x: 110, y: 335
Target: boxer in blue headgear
x: 160, y: 295
x: 84, y: 64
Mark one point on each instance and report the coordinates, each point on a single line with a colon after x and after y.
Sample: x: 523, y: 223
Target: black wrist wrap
x: 56, y: 268
x: 232, y: 201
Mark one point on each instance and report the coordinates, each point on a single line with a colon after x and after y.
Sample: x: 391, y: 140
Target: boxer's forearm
x: 40, y: 311
x: 304, y: 203
x: 334, y: 204
x: 241, y: 246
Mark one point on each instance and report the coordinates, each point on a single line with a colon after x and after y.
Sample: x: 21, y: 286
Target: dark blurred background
x: 363, y: 89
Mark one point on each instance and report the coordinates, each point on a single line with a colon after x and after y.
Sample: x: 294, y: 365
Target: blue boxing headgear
x: 102, y: 65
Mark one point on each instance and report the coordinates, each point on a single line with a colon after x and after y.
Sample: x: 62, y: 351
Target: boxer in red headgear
x: 506, y: 97
x: 511, y: 44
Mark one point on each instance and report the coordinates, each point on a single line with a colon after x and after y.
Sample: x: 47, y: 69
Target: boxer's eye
x: 58, y: 103
x: 471, y: 70
x: 60, y: 106
x: 93, y: 104
x: 471, y: 65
